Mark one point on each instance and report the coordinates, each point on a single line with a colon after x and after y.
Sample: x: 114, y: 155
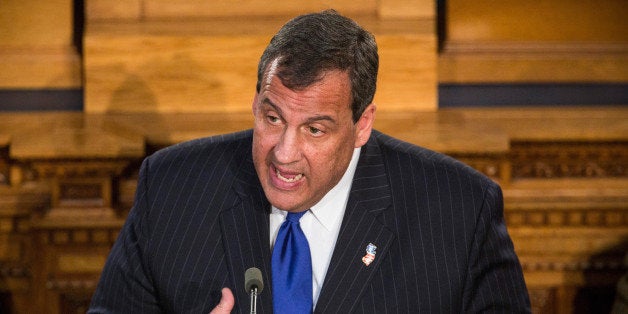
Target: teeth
x: 295, y: 178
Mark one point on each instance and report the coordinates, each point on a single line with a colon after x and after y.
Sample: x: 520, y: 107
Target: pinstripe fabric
x: 200, y: 219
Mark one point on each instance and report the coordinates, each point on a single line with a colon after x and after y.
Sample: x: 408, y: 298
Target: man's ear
x: 365, y: 125
x: 254, y: 105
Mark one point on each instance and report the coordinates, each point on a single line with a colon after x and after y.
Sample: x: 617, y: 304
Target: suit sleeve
x: 496, y: 280
x: 125, y: 284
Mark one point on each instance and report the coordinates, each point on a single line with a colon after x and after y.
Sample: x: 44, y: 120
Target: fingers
x: 226, y: 303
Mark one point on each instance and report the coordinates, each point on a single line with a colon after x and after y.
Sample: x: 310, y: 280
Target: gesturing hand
x: 226, y: 303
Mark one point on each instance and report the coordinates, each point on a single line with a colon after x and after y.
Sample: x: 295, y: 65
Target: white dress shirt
x: 321, y: 225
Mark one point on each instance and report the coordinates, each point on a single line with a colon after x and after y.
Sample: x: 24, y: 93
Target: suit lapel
x: 347, y: 275
x: 246, y: 236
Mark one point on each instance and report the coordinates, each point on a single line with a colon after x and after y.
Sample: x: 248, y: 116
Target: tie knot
x: 295, y: 217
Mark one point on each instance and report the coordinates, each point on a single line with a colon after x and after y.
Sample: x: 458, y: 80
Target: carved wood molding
x: 546, y: 49
x: 607, y: 263
x: 14, y: 270
x: 79, y: 168
x: 83, y: 236
x: 71, y: 284
x: 559, y: 218
x: 494, y: 166
x: 591, y: 159
x: 86, y: 186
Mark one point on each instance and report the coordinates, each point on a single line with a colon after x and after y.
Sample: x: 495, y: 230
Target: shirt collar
x: 330, y: 209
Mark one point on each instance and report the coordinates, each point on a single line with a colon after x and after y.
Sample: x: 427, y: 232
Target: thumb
x: 226, y: 303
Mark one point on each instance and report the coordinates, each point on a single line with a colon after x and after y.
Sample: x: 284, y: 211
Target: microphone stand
x: 253, y: 300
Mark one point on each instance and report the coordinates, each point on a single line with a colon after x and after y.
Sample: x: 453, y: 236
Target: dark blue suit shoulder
x: 233, y: 142
x: 415, y: 154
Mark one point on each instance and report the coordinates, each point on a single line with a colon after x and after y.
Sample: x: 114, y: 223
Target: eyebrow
x: 309, y: 120
x: 274, y: 107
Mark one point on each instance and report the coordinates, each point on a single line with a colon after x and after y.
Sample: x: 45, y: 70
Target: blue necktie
x: 292, y: 269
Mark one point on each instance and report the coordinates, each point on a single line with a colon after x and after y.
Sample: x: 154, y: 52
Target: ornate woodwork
x: 61, y: 210
x: 600, y: 159
x: 69, y: 185
x: 495, y: 166
x: 72, y: 239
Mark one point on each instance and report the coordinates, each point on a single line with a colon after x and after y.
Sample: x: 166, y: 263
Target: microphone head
x: 253, y: 279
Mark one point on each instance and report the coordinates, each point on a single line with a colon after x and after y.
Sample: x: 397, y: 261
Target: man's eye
x: 272, y: 119
x: 315, y: 131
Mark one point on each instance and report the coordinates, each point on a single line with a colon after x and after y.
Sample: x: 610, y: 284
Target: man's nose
x: 287, y: 149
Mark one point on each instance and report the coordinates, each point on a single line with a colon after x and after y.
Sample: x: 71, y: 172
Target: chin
x: 287, y: 201
x: 283, y: 204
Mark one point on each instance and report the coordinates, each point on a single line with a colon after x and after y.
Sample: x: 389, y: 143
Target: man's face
x: 303, y: 140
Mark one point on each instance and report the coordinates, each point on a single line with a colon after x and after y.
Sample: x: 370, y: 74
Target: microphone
x: 254, y: 284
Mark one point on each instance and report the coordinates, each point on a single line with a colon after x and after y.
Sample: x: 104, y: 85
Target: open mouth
x: 288, y: 178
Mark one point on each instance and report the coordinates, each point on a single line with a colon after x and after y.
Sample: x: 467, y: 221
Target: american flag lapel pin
x: 370, y: 254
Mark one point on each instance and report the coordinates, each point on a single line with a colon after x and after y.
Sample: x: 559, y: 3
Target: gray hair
x: 311, y: 44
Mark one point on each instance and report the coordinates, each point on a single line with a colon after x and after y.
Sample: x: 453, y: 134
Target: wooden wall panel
x: 407, y: 76
x: 249, y: 8
x: 465, y: 67
x: 159, y: 9
x: 36, y: 45
x: 211, y: 65
x: 39, y: 67
x: 530, y: 41
x: 171, y: 73
x: 537, y: 21
x: 402, y: 9
x: 113, y: 10
x: 35, y: 23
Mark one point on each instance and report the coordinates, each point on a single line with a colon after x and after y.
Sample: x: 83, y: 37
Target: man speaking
x: 337, y: 217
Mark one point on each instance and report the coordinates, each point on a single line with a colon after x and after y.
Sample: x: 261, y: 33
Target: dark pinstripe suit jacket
x: 200, y: 219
